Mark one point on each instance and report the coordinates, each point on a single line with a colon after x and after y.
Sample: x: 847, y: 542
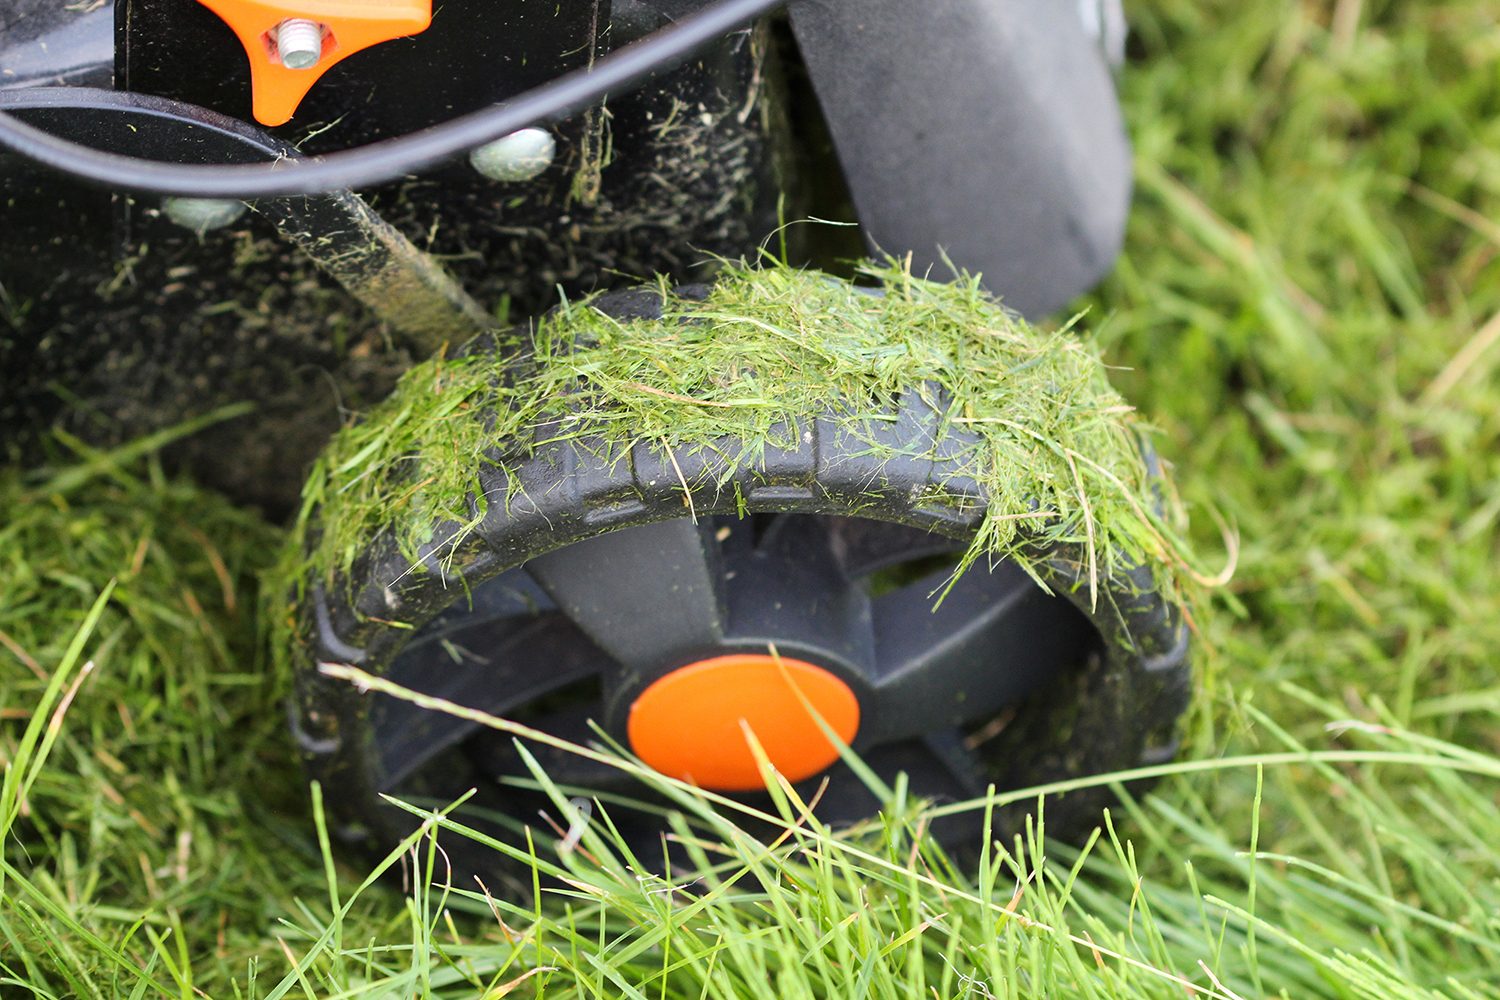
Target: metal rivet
x: 519, y: 156
x: 299, y: 43
x: 202, y: 214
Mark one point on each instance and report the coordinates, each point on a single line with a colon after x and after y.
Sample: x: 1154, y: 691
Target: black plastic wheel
x: 595, y: 581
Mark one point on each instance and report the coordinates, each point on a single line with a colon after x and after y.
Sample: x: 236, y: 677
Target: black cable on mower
x: 389, y: 159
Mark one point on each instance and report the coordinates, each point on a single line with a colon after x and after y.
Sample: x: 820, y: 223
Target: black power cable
x: 378, y: 162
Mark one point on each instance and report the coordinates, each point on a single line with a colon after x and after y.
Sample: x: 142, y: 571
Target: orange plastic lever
x: 346, y: 26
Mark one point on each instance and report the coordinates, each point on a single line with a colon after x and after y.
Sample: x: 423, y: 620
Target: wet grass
x: 1306, y: 309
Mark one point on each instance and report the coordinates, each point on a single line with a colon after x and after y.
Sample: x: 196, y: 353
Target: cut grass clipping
x: 1027, y: 414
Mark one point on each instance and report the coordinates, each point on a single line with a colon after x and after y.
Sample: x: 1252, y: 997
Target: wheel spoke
x: 496, y: 755
x: 936, y: 765
x: 490, y: 667
x: 510, y: 595
x: 860, y: 545
x: 643, y: 595
x: 792, y: 536
x: 735, y: 535
x: 869, y: 546
x: 990, y: 642
x: 792, y: 592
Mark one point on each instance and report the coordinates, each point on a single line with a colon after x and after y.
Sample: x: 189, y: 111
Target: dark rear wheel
x: 598, y: 594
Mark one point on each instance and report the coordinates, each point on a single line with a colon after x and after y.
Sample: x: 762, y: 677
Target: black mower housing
x: 981, y: 132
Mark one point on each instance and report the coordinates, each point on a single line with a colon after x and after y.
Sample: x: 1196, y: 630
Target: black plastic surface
x: 985, y: 132
x: 148, y: 325
x: 48, y: 43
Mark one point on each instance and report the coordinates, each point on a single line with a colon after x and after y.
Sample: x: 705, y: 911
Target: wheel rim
x: 847, y: 599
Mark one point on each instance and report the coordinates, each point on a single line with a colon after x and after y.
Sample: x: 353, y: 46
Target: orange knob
x: 317, y: 34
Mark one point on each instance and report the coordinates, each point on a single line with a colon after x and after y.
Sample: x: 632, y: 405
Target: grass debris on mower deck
x: 738, y: 519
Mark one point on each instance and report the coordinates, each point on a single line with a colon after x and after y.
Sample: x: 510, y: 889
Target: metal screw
x: 299, y: 43
x: 519, y: 156
x: 202, y: 214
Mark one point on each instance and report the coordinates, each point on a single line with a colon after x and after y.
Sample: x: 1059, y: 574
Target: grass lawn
x: 1308, y: 308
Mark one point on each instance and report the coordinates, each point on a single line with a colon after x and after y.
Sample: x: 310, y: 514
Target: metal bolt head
x: 299, y: 43
x: 519, y: 156
x: 202, y: 214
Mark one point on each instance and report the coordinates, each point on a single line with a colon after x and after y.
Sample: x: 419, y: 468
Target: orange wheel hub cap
x: 691, y: 723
